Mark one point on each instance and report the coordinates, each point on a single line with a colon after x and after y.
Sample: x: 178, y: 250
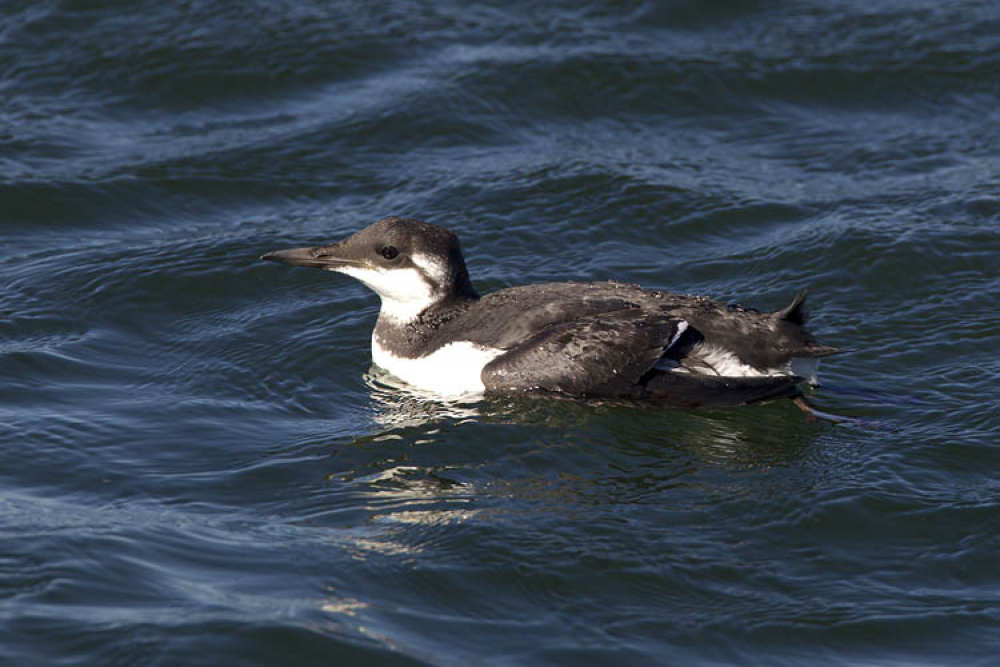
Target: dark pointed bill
x: 320, y: 257
x: 298, y: 257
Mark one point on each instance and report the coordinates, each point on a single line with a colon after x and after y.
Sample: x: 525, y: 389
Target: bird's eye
x: 390, y: 252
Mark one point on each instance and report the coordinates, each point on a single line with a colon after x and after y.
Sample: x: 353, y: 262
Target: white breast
x: 452, y: 370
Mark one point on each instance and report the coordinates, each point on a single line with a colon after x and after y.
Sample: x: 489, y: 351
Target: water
x: 197, y: 465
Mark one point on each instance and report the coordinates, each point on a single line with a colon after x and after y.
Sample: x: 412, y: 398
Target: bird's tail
x: 796, y: 314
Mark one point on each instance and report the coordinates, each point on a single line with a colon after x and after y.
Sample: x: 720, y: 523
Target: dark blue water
x: 198, y: 466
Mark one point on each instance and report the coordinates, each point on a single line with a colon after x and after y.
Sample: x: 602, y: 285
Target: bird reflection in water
x: 432, y: 463
x: 397, y: 404
x: 764, y: 434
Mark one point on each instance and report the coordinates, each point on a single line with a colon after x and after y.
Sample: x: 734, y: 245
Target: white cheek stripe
x: 432, y: 267
x: 452, y: 370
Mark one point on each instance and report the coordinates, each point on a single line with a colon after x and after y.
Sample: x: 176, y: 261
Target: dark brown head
x: 411, y: 265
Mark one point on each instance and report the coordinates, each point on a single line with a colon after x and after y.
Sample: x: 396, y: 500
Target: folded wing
x: 605, y: 354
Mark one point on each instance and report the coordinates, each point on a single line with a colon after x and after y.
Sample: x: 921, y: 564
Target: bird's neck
x: 414, y: 334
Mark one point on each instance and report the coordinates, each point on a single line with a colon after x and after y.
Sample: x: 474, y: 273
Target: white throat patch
x: 404, y: 292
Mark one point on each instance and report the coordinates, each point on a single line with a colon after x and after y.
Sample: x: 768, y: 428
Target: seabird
x: 604, y: 340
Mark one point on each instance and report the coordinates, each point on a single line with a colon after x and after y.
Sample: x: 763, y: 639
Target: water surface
x: 198, y: 466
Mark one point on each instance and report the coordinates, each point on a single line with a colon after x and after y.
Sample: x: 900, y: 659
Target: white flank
x: 452, y: 370
x: 725, y: 363
x: 682, y: 326
x: 404, y: 292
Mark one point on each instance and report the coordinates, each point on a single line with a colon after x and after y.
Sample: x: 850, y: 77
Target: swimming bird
x: 599, y: 340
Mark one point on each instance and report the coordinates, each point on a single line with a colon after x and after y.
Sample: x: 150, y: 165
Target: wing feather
x: 604, y: 354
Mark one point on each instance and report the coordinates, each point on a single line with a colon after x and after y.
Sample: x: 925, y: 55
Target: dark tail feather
x: 711, y: 391
x: 795, y: 312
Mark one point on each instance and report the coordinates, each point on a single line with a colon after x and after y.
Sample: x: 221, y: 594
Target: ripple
x: 198, y: 465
